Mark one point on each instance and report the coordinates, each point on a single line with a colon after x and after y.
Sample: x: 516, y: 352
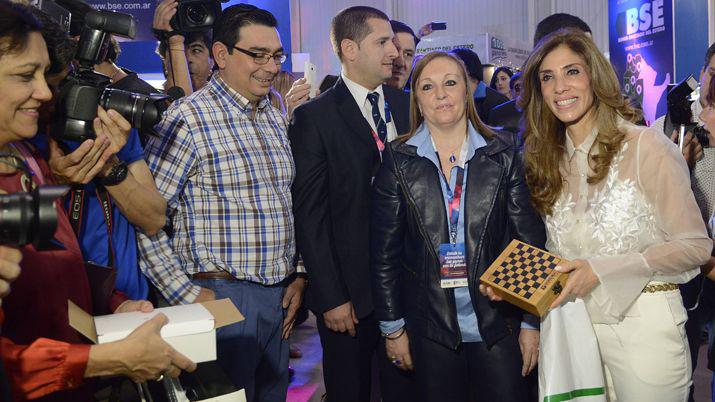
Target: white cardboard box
x: 191, y: 329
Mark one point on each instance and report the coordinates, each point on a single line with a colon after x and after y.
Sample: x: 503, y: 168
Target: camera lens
x: 30, y: 217
x: 196, y: 14
x: 142, y: 111
x: 126, y: 103
x: 16, y: 217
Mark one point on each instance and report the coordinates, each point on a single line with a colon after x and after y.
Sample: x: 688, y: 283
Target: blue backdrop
x: 641, y: 49
x: 138, y: 55
x: 691, y: 37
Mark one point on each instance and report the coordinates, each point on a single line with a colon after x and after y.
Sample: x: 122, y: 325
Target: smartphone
x: 310, y: 74
x: 438, y: 26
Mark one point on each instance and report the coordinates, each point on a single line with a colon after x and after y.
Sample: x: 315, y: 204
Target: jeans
x: 252, y: 352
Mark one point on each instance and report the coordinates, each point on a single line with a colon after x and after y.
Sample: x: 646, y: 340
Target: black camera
x: 679, y: 101
x: 84, y: 88
x: 680, y: 116
x: 55, y: 12
x: 195, y: 15
x: 30, y: 217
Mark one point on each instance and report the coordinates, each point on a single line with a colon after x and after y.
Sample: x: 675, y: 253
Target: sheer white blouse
x: 639, y: 224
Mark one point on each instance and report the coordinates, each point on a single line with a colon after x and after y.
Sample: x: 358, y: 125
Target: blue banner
x: 142, y: 10
x: 641, y: 51
x: 138, y: 55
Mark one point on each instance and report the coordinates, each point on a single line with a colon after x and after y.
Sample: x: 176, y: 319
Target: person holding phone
x: 429, y: 28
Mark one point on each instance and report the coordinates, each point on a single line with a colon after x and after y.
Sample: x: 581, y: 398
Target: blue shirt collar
x: 481, y: 91
x: 421, y: 139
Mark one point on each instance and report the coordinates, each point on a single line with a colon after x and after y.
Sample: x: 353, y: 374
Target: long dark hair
x: 503, y: 69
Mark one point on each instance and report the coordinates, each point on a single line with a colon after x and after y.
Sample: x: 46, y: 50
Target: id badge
x: 452, y: 265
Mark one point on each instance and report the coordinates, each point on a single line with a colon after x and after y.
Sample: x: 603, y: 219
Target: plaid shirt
x: 226, y: 171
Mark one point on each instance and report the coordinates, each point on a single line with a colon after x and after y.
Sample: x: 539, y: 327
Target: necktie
x: 373, y: 97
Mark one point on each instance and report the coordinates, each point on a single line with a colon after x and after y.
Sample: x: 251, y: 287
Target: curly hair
x: 546, y: 135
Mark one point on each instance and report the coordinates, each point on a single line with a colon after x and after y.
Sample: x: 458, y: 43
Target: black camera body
x: 30, y: 217
x: 679, y: 101
x: 680, y: 116
x: 195, y: 15
x: 84, y: 89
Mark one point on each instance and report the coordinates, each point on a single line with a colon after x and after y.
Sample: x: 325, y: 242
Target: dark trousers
x: 347, y: 360
x: 396, y: 385
x: 472, y: 373
x: 699, y: 301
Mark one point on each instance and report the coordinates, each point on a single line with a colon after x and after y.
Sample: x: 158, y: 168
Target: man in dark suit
x: 337, y: 139
x: 485, y: 98
x: 508, y: 114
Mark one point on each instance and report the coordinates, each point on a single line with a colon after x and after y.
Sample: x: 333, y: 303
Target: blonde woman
x: 450, y: 190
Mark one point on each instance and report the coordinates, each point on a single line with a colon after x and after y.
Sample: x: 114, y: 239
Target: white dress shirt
x: 359, y: 93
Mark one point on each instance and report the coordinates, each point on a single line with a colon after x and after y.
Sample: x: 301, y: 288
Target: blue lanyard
x: 454, y: 196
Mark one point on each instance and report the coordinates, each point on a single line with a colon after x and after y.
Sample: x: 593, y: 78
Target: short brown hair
x: 16, y: 24
x: 351, y: 23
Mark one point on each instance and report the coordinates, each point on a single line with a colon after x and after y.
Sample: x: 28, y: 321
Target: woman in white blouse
x: 617, y: 203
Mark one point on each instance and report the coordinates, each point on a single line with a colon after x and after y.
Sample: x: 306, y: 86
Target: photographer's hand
x: 163, y: 14
x: 177, y: 64
x: 114, y: 127
x: 80, y: 166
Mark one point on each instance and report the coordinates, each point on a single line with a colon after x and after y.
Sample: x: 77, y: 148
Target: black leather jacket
x: 408, y: 223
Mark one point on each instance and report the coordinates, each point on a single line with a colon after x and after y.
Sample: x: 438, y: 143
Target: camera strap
x: 30, y: 161
x: 77, y: 201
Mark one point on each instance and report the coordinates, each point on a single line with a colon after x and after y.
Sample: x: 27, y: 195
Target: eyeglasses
x: 262, y: 58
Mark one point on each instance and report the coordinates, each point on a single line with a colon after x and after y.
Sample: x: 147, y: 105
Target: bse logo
x: 641, y: 19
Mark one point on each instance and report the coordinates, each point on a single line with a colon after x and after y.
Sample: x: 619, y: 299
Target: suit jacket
x: 336, y: 158
x: 485, y: 104
x: 506, y: 115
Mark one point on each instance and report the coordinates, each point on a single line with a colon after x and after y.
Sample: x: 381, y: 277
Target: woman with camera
x: 44, y: 357
x: 450, y: 190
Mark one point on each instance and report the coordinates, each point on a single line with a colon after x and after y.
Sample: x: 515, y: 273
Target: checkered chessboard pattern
x: 524, y: 276
x: 524, y: 269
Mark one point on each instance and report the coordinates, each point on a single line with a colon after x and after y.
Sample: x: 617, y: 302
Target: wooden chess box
x: 525, y: 276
